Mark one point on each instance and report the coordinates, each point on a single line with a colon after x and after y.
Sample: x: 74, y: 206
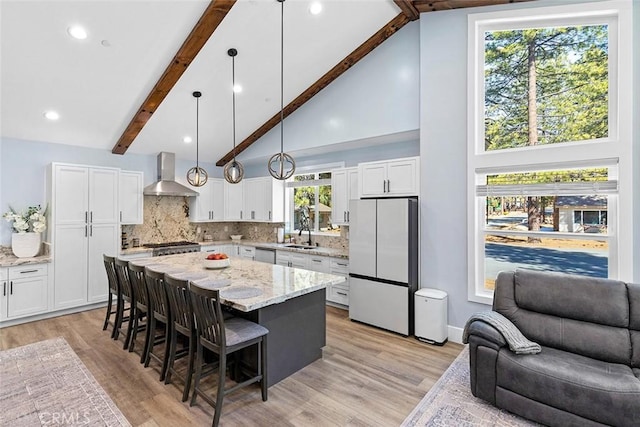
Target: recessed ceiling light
x: 51, y: 115
x: 77, y: 32
x: 187, y: 140
x: 237, y: 88
x: 315, y: 8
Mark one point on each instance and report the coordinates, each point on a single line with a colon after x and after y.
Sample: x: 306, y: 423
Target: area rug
x: 46, y: 384
x: 450, y: 403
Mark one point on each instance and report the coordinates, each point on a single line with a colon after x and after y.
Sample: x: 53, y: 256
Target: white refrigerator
x: 383, y: 262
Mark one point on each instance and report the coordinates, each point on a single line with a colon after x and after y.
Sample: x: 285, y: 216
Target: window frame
x: 615, y: 149
x: 290, y: 184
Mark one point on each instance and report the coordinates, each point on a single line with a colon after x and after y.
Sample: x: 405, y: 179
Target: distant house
x: 582, y: 214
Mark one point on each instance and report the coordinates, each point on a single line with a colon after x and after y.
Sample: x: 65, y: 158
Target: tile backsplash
x: 166, y: 219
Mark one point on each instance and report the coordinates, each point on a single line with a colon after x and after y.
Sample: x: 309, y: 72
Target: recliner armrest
x: 488, y: 332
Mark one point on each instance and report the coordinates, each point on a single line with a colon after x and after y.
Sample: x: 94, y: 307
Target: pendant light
x: 281, y: 165
x: 197, y: 176
x: 233, y: 171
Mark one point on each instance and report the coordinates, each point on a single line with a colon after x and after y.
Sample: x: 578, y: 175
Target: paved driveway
x: 588, y: 262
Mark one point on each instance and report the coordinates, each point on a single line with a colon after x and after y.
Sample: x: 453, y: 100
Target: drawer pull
x: 341, y: 264
x: 28, y: 271
x: 316, y: 260
x: 341, y: 293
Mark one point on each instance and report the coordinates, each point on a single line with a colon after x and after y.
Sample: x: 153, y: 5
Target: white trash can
x: 431, y: 316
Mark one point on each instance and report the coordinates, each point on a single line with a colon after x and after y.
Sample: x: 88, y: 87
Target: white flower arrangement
x: 33, y: 220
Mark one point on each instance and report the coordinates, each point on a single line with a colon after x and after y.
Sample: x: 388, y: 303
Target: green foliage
x: 571, y: 85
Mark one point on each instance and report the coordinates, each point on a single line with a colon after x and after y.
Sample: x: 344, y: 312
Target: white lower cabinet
x: 292, y: 259
x: 248, y: 252
x: 318, y: 263
x: 212, y: 249
x: 24, y: 291
x: 339, y: 293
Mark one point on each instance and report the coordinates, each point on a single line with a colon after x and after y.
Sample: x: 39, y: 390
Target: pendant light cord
x: 282, y: 77
x: 233, y: 90
x: 198, y: 134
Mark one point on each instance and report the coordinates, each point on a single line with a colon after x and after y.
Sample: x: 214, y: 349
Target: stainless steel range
x: 171, y: 248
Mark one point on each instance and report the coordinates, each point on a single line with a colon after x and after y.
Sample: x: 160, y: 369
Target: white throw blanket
x: 517, y: 342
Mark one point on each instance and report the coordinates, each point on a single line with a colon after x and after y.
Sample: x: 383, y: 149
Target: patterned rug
x: 450, y: 403
x: 46, y: 383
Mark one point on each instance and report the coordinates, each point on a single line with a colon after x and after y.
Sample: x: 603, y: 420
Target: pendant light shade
x: 233, y: 171
x: 197, y: 176
x: 281, y: 165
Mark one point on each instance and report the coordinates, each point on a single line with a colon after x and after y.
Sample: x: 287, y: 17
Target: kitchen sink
x: 295, y: 246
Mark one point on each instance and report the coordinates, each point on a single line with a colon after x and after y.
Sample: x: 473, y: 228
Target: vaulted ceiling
x: 128, y: 86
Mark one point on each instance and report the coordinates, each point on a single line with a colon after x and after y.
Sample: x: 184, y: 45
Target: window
x: 553, y: 80
x: 309, y: 201
x: 539, y: 220
x: 548, y: 142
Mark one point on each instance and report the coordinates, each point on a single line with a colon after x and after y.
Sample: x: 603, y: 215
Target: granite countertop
x: 275, y: 283
x: 318, y: 250
x: 8, y: 259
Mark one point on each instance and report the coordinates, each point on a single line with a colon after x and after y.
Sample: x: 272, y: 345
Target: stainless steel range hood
x: 166, y: 184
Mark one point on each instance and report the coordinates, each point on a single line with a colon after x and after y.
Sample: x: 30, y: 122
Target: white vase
x: 25, y: 245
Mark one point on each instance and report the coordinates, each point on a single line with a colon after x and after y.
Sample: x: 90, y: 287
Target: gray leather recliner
x: 588, y: 373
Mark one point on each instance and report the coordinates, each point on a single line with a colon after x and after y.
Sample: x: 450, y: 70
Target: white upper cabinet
x: 209, y: 205
x: 344, y: 187
x: 254, y: 199
x: 272, y: 201
x: 398, y: 177
x: 131, y: 198
x: 234, y: 201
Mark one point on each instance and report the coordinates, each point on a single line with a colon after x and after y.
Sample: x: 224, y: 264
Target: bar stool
x: 114, y: 290
x: 224, y: 337
x: 158, y: 311
x: 183, y: 324
x: 136, y: 277
x: 128, y: 296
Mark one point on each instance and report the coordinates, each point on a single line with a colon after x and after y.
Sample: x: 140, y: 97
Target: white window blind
x: 549, y: 189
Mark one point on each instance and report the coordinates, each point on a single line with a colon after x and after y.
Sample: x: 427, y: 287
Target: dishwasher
x: 266, y: 255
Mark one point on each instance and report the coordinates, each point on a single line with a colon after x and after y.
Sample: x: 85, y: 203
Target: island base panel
x: 297, y: 334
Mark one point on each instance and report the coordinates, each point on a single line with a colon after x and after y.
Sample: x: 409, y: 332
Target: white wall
x: 23, y: 166
x: 636, y: 135
x: 377, y: 96
x: 443, y: 150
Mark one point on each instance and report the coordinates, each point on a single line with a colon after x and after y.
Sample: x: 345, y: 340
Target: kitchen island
x: 290, y: 302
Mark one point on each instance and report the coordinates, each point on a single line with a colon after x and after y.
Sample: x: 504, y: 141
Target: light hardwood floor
x: 367, y: 377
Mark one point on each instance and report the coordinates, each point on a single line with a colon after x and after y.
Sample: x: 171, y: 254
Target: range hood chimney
x: 166, y: 184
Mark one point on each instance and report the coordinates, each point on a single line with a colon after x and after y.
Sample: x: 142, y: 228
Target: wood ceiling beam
x: 200, y: 34
x: 435, y: 5
x: 360, y: 52
x: 406, y: 6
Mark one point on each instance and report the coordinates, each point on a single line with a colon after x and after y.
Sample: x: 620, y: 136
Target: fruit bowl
x: 216, y: 263
x: 236, y: 236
